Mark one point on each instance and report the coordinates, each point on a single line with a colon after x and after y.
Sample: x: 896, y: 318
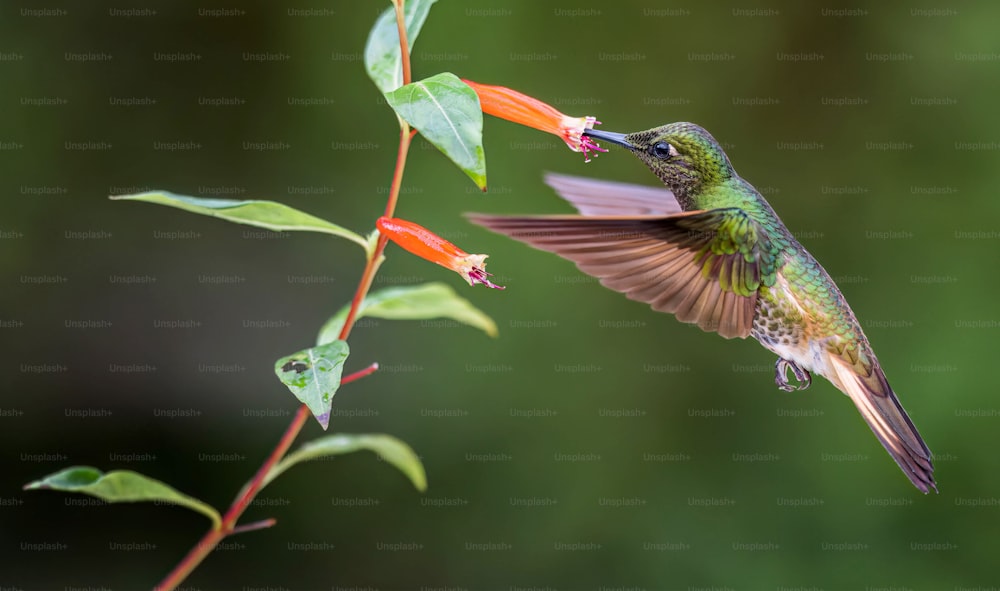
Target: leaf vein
x: 444, y: 113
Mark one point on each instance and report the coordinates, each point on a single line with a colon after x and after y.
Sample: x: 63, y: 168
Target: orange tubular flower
x: 428, y: 245
x: 520, y: 108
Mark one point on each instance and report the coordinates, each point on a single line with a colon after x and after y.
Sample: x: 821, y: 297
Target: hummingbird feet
x: 781, y: 375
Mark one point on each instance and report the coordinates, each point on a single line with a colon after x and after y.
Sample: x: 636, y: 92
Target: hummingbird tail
x: 887, y: 419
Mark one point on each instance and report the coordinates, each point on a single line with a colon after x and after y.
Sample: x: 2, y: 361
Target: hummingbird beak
x: 609, y: 136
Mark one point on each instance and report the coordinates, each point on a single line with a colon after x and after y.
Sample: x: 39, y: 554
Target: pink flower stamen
x: 477, y: 275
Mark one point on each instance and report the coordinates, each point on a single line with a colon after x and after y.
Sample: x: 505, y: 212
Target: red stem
x: 404, y: 46
x: 368, y: 275
x: 212, y: 538
x: 229, y: 527
x: 266, y: 523
x: 359, y: 374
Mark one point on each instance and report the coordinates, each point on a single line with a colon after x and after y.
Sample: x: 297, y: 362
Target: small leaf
x: 263, y: 214
x: 446, y: 111
x: 313, y: 376
x: 416, y: 302
x: 382, y: 59
x: 389, y: 448
x: 121, y: 486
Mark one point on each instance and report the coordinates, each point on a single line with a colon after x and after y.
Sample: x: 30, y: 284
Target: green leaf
x: 313, y: 376
x: 446, y: 111
x: 263, y: 214
x: 416, y: 302
x: 121, y: 486
x: 389, y: 448
x: 382, y: 59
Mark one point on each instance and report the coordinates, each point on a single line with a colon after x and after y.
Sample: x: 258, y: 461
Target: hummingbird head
x: 685, y: 156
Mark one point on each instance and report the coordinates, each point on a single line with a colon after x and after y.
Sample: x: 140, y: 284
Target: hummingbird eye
x: 663, y: 150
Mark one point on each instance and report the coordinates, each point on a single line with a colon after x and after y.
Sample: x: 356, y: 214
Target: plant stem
x: 404, y: 46
x: 405, y: 137
x: 212, y: 538
x: 239, y: 529
x: 246, y: 496
x: 368, y: 275
x: 359, y: 374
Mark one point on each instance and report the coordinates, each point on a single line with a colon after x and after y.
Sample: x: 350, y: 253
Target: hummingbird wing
x: 878, y: 404
x: 702, y: 266
x: 600, y: 197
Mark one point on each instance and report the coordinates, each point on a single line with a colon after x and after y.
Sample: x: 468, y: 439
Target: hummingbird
x: 710, y: 250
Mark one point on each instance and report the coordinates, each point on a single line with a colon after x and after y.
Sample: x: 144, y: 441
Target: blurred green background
x: 573, y: 452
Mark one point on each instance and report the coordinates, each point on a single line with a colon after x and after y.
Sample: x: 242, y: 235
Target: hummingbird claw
x: 781, y: 376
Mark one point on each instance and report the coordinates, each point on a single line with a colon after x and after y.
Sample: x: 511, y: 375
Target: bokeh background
x: 594, y: 444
